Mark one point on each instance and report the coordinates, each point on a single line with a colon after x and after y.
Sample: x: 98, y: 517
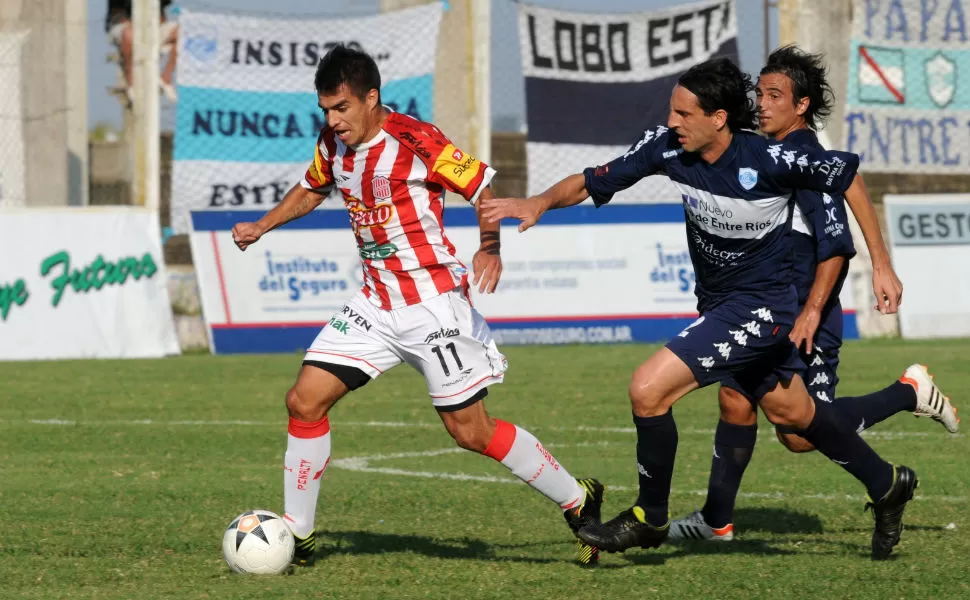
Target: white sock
x: 307, y: 456
x: 524, y: 455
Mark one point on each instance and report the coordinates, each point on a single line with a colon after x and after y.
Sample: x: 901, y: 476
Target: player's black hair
x: 350, y: 66
x: 808, y: 77
x: 719, y: 84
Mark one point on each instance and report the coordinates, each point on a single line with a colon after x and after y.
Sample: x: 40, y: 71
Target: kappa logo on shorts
x: 820, y: 378
x: 706, y: 361
x: 753, y: 328
x: 823, y: 396
x: 740, y: 337
x: 764, y: 314
x: 817, y: 361
x: 724, y: 349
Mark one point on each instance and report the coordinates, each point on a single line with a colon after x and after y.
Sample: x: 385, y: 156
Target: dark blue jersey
x: 738, y: 209
x: 821, y: 227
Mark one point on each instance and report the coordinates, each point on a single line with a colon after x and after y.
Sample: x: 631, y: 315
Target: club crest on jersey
x: 457, y: 155
x: 382, y: 187
x: 748, y: 178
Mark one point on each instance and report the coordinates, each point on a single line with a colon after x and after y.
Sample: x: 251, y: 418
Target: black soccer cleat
x: 587, y: 513
x: 888, y: 512
x: 626, y: 530
x: 305, y: 549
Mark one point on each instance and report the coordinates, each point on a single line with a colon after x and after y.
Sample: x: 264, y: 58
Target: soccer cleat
x: 694, y: 527
x: 889, y: 512
x: 930, y: 401
x: 586, y: 513
x: 304, y: 551
x: 627, y: 529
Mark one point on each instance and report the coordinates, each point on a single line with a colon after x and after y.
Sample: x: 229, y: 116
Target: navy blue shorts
x: 744, y: 340
x: 822, y: 364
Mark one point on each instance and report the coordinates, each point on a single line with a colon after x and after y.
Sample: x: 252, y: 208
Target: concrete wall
x: 54, y: 97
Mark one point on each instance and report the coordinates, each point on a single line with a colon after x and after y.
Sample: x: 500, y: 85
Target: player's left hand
x: 803, y: 333
x: 487, y: 265
x: 888, y: 289
x: 526, y: 210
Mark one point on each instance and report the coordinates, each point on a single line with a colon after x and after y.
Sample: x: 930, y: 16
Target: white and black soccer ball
x: 258, y: 541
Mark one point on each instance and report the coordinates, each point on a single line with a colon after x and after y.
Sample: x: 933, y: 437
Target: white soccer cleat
x: 930, y: 401
x: 693, y: 527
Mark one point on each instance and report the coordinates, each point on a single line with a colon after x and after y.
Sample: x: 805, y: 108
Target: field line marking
x: 888, y: 435
x: 361, y: 464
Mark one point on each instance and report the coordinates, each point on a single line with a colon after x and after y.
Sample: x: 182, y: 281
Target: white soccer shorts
x: 444, y: 338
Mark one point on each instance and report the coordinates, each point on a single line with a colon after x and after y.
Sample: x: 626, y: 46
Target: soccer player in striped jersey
x: 737, y: 201
x: 392, y: 171
x: 794, y: 98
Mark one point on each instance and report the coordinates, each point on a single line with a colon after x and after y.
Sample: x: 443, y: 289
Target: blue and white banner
x: 247, y: 115
x: 595, y: 82
x: 621, y: 274
x: 908, y: 96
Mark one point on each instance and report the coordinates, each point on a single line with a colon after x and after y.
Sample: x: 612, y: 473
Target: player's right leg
x: 789, y: 404
x: 449, y: 342
x: 930, y: 401
x: 724, y: 340
x: 308, y: 448
x: 915, y: 392
x: 656, y: 385
x: 347, y: 353
x: 734, y: 440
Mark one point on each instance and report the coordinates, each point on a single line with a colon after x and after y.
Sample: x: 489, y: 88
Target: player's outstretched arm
x: 568, y: 192
x: 296, y: 203
x: 487, y: 262
x: 885, y: 284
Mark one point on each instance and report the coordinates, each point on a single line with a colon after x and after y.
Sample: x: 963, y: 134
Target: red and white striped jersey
x: 393, y: 187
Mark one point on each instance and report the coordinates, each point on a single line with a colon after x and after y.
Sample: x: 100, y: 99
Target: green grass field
x: 118, y: 477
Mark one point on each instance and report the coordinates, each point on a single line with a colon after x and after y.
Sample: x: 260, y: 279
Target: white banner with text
x: 929, y: 235
x: 585, y: 276
x: 83, y: 283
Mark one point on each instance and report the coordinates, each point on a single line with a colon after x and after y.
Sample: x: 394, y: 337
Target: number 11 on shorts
x: 441, y: 357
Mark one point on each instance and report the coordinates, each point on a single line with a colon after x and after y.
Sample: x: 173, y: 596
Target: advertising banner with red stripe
x: 908, y: 96
x: 586, y: 276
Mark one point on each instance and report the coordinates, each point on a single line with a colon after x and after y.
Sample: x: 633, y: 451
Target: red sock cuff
x: 502, y: 440
x: 308, y: 430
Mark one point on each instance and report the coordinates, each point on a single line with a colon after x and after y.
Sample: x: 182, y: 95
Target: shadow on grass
x: 775, y: 520
x: 747, y: 521
x: 695, y: 548
x: 367, y: 542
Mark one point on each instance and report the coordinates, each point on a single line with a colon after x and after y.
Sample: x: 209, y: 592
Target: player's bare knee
x: 471, y: 427
x: 303, y: 408
x: 470, y: 438
x: 736, y: 408
x: 646, y: 399
x: 788, y: 416
x: 793, y: 442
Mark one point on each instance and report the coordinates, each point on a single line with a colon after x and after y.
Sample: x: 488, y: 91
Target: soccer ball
x: 258, y: 541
